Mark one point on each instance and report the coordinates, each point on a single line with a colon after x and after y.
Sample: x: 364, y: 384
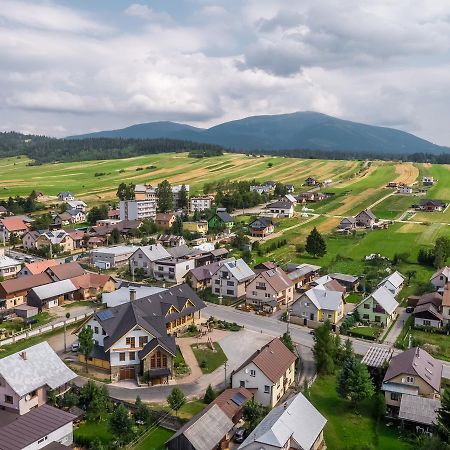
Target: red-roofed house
x: 91, y: 284
x: 36, y: 267
x: 10, y: 225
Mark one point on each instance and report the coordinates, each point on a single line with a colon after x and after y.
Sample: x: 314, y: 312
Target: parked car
x: 75, y: 347
x: 410, y: 309
x: 312, y: 332
x: 240, y: 435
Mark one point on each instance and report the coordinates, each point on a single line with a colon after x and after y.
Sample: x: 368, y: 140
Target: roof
x: 367, y: 212
x: 224, y: 216
x: 25, y: 283
x: 344, y: 277
x: 76, y: 235
x: 231, y: 401
x: 261, y: 223
x: 280, y: 205
x: 205, y: 430
x: 323, y: 298
x: 117, y: 250
x: 348, y: 219
x: 296, y: 418
x: 56, y: 236
x: 427, y: 308
x: 301, y: 270
x: 273, y: 360
x: 400, y: 388
x: 446, y: 295
x: 239, y: 269
x: 40, y: 266
x: 54, y: 289
x: 385, y: 299
x: 13, y: 223
x: 416, y: 362
x: 414, y: 408
x: 91, y: 280
x: 377, y: 356
x: 122, y: 295
x: 431, y: 297
x: 427, y: 201
x: 154, y: 252
x: 42, y: 367
x: 276, y: 278
x: 164, y: 216
x: 445, y: 271
x: 29, y: 428
x: 66, y: 271
x: 395, y: 278
x: 207, y: 271
x: 290, y: 198
x: 6, y: 261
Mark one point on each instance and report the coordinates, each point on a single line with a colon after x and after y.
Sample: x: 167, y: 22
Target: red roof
x: 25, y: 283
x: 90, y: 280
x: 40, y: 266
x: 13, y: 224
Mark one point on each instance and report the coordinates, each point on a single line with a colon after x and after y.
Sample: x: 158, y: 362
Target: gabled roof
x: 301, y: 270
x: 432, y: 297
x: 223, y: 215
x: 55, y: 237
x: 6, y: 261
x: 427, y: 201
x: 344, y: 277
x: 76, y: 235
x: 40, y: 367
x: 122, y: 295
x: 54, y: 289
x: 231, y: 401
x: 164, y: 217
x: 273, y: 360
x: 207, y: 271
x: 445, y: 271
x: 290, y: 198
x: 261, y: 223
x: 25, y: 283
x: 377, y: 356
x: 385, y: 299
x: 368, y: 213
x: 276, y: 278
x: 323, y: 298
x: 280, y: 205
x: 414, y: 408
x: 416, y: 362
x: 349, y: 219
x: 154, y: 252
x: 238, y: 269
x: 428, y: 309
x: 13, y: 223
x: 297, y: 419
x: 40, y: 266
x: 66, y: 271
x: 91, y: 280
x: 395, y: 278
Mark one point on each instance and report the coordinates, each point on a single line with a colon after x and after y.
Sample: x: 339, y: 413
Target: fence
x: 20, y: 336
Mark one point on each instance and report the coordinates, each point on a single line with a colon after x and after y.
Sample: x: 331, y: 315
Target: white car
x: 75, y: 347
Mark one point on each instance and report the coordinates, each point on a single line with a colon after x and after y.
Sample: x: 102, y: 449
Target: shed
x: 26, y: 311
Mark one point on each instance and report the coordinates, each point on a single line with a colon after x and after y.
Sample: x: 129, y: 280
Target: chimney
x: 23, y: 355
x: 132, y: 294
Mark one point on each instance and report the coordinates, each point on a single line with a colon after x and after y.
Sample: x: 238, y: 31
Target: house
x: 52, y: 294
x: 350, y: 282
x: 91, y: 285
x: 393, y: 184
x: 347, y: 223
x: 172, y: 269
x: 12, y: 225
x: 78, y: 237
x: 440, y: 278
x: 200, y: 277
x: 200, y: 227
x: 231, y: 279
x: 3, y: 211
x: 65, y: 271
x: 328, y: 283
x: 55, y: 237
x: 127, y: 292
x: 290, y: 198
x: 134, y: 338
x: 427, y: 181
x: 429, y: 205
x: 393, y: 283
x: 9, y: 267
x: 270, y: 289
x: 320, y: 304
x: 296, y: 424
x: 290, y: 188
x: 66, y: 196
x: 165, y: 220
x: 95, y: 242
x: 114, y: 214
x: 261, y: 227
x: 29, y: 240
x: 28, y: 376
x: 420, y: 412
x: 366, y: 218
x: 77, y: 204
x: 301, y: 274
x: 210, y: 256
x: 25, y: 311
x: 445, y: 307
x: 271, y: 183
x: 70, y: 216
x: 307, y: 196
x: 405, y: 190
x: 310, y: 181
x: 13, y: 292
x: 426, y: 314
x: 379, y: 307
x: 281, y: 208
x: 269, y: 372
x: 137, y: 209
x: 145, y: 257
x: 261, y: 189
x: 106, y: 257
x: 413, y: 372
x: 170, y: 240
x: 201, y: 203
x: 221, y: 219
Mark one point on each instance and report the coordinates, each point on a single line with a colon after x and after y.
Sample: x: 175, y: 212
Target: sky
x: 75, y: 66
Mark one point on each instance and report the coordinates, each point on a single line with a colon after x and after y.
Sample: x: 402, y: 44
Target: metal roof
x: 385, y: 299
x: 395, y: 278
x: 376, y: 356
x: 54, y: 289
x: 399, y: 388
x: 414, y: 408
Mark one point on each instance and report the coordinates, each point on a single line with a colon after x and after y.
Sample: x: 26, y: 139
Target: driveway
x: 396, y: 329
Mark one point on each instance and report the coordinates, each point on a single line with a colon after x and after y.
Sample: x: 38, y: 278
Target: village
x: 159, y: 317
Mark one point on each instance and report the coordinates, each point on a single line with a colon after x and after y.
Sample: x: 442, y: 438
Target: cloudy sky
x: 72, y: 66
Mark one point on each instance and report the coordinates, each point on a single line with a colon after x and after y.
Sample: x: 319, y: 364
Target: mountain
x: 299, y: 130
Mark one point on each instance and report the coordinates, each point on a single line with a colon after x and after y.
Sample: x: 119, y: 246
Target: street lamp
x: 65, y: 328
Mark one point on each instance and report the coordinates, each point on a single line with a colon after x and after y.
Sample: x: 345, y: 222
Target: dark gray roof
x: 425, y: 310
x: 280, y: 205
x: 425, y: 201
x: 31, y: 427
x: 261, y: 223
x: 368, y: 212
x: 414, y: 408
x: 224, y: 216
x: 344, y: 277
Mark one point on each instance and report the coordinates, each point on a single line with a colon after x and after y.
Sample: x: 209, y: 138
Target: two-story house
x: 440, y: 278
x: 200, y: 277
x: 201, y: 203
x: 281, y: 208
x: 393, y: 283
x: 173, y: 270
x: 145, y: 257
x: 261, y: 227
x: 231, y: 279
x: 10, y: 226
x: 200, y: 227
x: 165, y: 220
x: 134, y: 338
x: 26, y: 378
x: 366, y: 218
x: 9, y: 267
x: 379, y: 307
x: 413, y: 372
x: 302, y: 274
x: 56, y: 237
x: 269, y: 372
x: 221, y: 219
x: 270, y: 289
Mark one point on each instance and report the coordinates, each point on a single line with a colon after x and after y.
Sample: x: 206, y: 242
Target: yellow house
x: 196, y: 227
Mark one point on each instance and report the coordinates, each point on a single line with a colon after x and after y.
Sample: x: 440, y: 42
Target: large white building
x: 201, y: 203
x: 137, y: 209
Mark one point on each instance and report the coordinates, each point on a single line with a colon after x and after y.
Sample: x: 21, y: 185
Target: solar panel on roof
x: 104, y: 315
x: 238, y: 398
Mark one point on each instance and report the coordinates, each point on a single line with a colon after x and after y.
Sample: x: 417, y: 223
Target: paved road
x: 396, y: 329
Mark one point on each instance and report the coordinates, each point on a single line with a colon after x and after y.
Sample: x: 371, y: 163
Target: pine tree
x: 324, y: 349
x: 210, y: 395
x: 176, y: 399
x: 165, y: 197
x: 443, y: 417
x: 142, y: 413
x: 183, y: 199
x: 120, y: 423
x: 315, y: 244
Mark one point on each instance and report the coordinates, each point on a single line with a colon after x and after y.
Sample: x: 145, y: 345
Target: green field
x: 155, y: 439
x: 394, y: 206
x: 209, y: 360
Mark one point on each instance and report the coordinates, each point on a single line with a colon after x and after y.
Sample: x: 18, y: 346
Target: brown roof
x: 164, y: 216
x: 13, y: 223
x: 76, y: 234
x: 90, y: 280
x: 277, y: 278
x: 334, y: 285
x: 40, y: 266
x: 273, y: 360
x: 25, y: 283
x: 427, y: 308
x: 262, y: 267
x: 432, y: 297
x: 66, y: 271
x: 227, y: 405
x: 113, y: 213
x: 416, y: 362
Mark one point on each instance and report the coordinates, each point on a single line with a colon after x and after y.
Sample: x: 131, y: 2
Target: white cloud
x: 147, y: 13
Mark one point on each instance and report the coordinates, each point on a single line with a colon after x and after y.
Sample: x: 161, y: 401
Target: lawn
x: 439, y: 344
x: 345, y: 428
x: 353, y: 297
x: 186, y: 412
x: 209, y: 360
x: 19, y: 324
x: 155, y: 440
x: 94, y: 430
x: 364, y: 332
x: 394, y: 206
x: 87, y: 303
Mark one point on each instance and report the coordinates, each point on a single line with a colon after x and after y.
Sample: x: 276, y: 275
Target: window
x: 395, y: 396
x: 8, y: 399
x: 377, y: 319
x: 161, y: 268
x: 267, y: 295
x: 242, y: 383
x: 306, y: 304
x: 187, y: 266
x: 132, y: 356
x: 266, y: 389
x: 130, y: 341
x: 217, y: 290
x: 230, y: 283
x: 171, y: 269
x: 40, y: 441
x: 158, y: 360
x: 366, y: 317
x: 104, y: 332
x: 143, y: 341
x: 96, y: 330
x: 216, y: 281
x: 253, y: 373
x: 427, y: 323
x: 410, y: 379
x: 366, y: 306
x: 122, y: 356
x: 230, y: 292
x: 254, y: 293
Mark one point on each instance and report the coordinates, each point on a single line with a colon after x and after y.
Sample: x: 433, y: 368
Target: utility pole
x: 226, y: 380
x: 65, y: 327
x: 287, y: 319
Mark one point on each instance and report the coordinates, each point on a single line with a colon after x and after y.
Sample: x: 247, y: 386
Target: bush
x: 99, y: 174
x: 203, y: 364
x: 192, y: 328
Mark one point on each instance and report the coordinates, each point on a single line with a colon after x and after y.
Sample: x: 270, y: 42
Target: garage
x: 127, y: 373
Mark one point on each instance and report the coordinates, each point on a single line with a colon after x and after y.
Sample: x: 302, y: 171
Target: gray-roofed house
x: 135, y: 338
x: 296, y: 424
x: 420, y: 411
x: 440, y: 278
x: 301, y: 274
x: 281, y: 208
x: 377, y: 356
x: 27, y: 376
x: 221, y: 219
x: 413, y: 372
x: 128, y: 292
x: 366, y: 218
x: 379, y: 307
x: 393, y: 282
x: 261, y: 227
x: 200, y: 277
x: 205, y: 431
x: 144, y: 258
x: 231, y: 279
x: 350, y: 282
x: 52, y: 294
x: 114, y: 256
x: 347, y: 223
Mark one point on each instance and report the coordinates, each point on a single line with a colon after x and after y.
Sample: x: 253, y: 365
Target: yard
x: 394, y: 206
x: 94, y: 430
x: 208, y: 359
x: 347, y: 429
x: 186, y: 412
x: 436, y: 344
x: 19, y: 324
x: 155, y: 439
x: 365, y: 332
x: 353, y: 297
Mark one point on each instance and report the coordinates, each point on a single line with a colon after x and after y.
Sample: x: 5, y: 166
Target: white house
x: 269, y: 371
x: 77, y: 204
x: 66, y: 196
x: 405, y: 190
x: 200, y: 203
x: 366, y: 218
x: 173, y: 269
x: 231, y: 279
x: 145, y: 257
x: 9, y: 267
x: 114, y: 256
x: 282, y: 208
x: 427, y: 181
x: 440, y: 278
x: 137, y: 209
x: 393, y: 283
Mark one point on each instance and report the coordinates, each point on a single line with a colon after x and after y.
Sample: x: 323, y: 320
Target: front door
x: 127, y: 373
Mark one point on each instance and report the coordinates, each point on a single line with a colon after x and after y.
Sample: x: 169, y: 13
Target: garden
x: 209, y: 356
